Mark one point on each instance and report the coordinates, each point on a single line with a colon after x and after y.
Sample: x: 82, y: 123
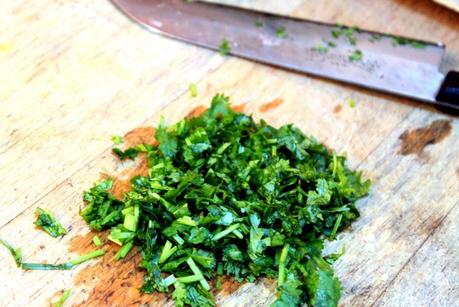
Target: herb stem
x: 282, y: 259
x: 87, y: 257
x: 336, y: 226
x: 225, y: 232
x: 167, y: 251
x: 63, y: 298
x: 46, y: 266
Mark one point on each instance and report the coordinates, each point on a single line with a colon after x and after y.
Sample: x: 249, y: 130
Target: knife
x: 382, y: 62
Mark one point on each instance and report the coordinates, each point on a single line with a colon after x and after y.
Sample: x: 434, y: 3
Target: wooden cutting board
x: 73, y: 73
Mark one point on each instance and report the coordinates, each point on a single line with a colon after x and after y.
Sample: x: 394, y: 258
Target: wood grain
x: 73, y: 73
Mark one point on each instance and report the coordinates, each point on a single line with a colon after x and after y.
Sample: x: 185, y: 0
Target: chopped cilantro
x: 193, y: 90
x: 225, y: 47
x: 259, y: 23
x: 47, y: 221
x: 226, y: 195
x: 117, y: 139
x: 281, y: 32
x: 357, y: 55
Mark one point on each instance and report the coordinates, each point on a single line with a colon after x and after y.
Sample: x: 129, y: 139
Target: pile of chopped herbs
x: 225, y: 195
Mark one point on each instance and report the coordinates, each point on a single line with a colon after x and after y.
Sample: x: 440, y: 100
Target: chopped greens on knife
x: 47, y: 221
x: 281, y: 32
x: 225, y: 195
x: 225, y: 47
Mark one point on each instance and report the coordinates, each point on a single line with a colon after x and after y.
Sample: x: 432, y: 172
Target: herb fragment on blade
x: 281, y: 32
x: 225, y: 47
x: 356, y: 56
x: 400, y: 41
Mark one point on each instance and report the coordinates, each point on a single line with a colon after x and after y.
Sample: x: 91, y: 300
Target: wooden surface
x: 73, y: 73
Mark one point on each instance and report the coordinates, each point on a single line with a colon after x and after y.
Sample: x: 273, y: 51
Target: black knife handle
x: 448, y: 96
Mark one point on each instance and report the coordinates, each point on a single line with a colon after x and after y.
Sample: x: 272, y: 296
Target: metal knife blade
x: 377, y: 61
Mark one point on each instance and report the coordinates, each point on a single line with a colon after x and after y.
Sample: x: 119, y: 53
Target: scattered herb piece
x: 259, y: 23
x: 97, y: 241
x: 357, y: 55
x: 63, y: 298
x: 352, y: 104
x: 226, y: 195
x: 225, y: 47
x: 17, y: 255
x: 281, y: 32
x: 117, y: 139
x: 47, y: 221
x: 130, y: 153
x: 193, y: 90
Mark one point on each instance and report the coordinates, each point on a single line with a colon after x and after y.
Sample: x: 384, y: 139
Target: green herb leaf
x: 130, y: 153
x: 47, y: 221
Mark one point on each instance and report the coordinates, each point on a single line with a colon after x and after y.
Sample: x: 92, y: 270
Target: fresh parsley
x: 226, y: 195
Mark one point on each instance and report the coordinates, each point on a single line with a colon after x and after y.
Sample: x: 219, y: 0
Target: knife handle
x: 448, y: 96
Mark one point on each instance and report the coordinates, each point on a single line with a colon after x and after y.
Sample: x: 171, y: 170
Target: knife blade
x: 382, y: 62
